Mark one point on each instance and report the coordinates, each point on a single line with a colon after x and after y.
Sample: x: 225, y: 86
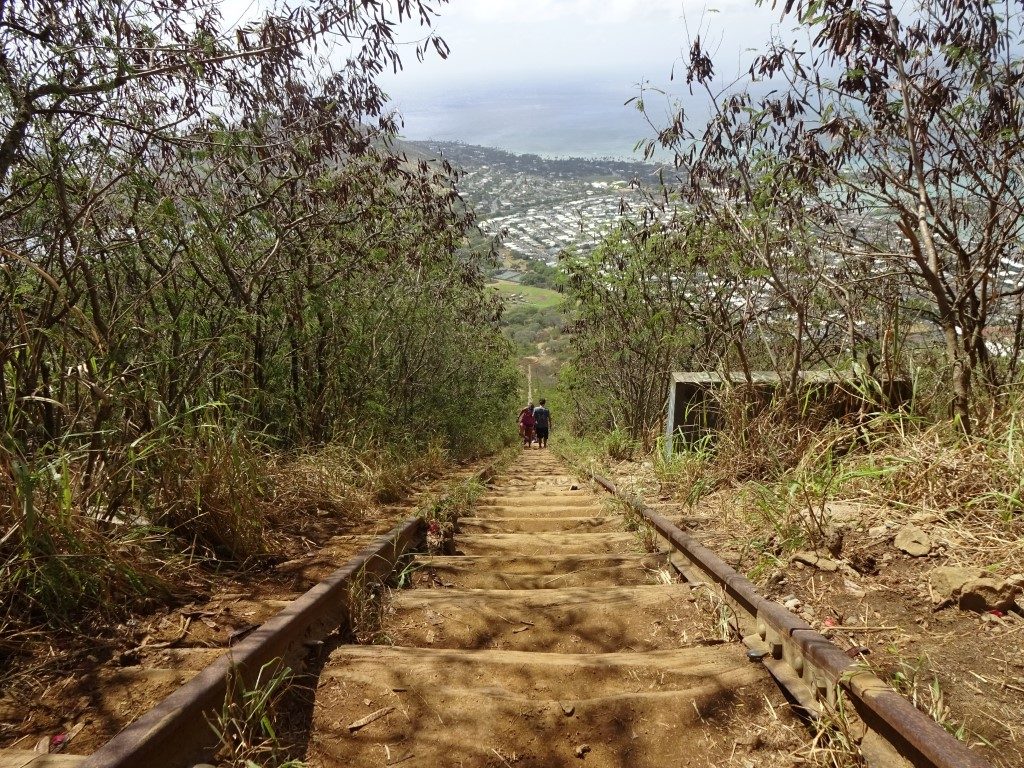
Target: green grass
x: 543, y: 298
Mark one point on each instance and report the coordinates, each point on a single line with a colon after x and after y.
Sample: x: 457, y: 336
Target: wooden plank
x: 24, y: 758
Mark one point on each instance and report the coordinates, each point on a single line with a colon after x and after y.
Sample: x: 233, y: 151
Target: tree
x: 892, y: 144
x: 207, y: 233
x: 640, y: 306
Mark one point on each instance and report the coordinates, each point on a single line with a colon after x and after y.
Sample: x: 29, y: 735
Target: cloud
x: 601, y: 12
x: 627, y: 40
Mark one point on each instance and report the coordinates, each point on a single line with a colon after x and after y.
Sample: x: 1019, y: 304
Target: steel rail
x: 175, y: 733
x: 813, y: 660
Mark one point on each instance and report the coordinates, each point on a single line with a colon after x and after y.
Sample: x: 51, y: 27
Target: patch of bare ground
x: 91, y: 683
x: 912, y: 551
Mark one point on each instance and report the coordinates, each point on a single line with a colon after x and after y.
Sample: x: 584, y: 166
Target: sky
x: 552, y: 76
x: 621, y: 40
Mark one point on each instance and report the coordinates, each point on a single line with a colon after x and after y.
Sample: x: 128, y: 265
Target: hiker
x: 526, y: 425
x: 542, y: 423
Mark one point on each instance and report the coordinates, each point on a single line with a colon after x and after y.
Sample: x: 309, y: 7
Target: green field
x: 542, y: 298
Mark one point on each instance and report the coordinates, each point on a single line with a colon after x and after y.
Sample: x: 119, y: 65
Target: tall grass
x: 790, y: 466
x: 76, y: 546
x: 56, y: 561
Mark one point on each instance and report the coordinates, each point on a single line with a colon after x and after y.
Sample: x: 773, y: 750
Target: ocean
x: 566, y: 119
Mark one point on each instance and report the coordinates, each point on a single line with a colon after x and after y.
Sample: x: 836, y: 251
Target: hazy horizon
x: 551, y: 77
x: 551, y: 119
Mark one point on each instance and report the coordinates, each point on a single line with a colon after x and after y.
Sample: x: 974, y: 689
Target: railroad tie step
x: 592, y: 524
x: 543, y: 501
x: 570, y: 619
x: 542, y: 571
x: 22, y: 758
x: 545, y: 543
x: 459, y: 707
x: 486, y: 513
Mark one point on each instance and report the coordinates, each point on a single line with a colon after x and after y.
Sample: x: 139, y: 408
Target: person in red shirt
x: 527, y: 425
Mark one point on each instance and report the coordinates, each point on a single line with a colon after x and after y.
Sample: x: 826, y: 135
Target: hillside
x: 534, y: 322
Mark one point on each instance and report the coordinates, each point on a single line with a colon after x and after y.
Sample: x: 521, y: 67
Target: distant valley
x: 539, y: 205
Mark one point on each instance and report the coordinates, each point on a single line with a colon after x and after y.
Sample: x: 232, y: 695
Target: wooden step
x: 22, y: 758
x: 513, y: 544
x: 573, y: 620
x: 531, y: 709
x: 543, y: 572
x: 594, y: 523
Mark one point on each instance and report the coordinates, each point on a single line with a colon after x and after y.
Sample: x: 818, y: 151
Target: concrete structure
x: 694, y: 413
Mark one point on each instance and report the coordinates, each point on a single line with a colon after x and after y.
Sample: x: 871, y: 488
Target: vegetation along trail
x: 549, y: 636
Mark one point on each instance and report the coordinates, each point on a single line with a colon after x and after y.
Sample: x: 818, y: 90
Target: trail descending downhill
x: 549, y: 639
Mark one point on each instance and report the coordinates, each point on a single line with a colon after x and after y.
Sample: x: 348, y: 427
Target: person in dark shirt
x: 542, y: 423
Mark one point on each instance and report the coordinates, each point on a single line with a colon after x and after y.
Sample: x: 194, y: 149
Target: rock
x: 752, y: 741
x: 985, y: 594
x: 581, y: 750
x: 947, y: 581
x: 863, y: 562
x: 913, y: 541
x: 833, y: 540
x: 853, y: 588
x: 819, y: 562
x: 924, y: 517
x: 877, y: 531
x: 568, y: 710
x: 793, y: 604
x: 974, y: 589
x: 844, y: 513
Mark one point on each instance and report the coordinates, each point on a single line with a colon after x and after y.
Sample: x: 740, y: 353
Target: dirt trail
x: 548, y: 639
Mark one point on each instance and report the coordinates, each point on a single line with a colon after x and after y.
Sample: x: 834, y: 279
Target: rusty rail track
x: 175, y: 733
x: 815, y: 671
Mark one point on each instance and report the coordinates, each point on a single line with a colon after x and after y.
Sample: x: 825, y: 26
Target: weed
x: 369, y: 604
x: 634, y: 522
x: 443, y: 510
x: 766, y: 565
x: 618, y: 445
x: 710, y: 601
x: 211, y: 491
x: 915, y: 680
x: 56, y: 562
x: 404, y: 577
x: 245, y: 725
x: 773, y: 503
x: 688, y: 474
x: 835, y: 743
x: 342, y: 479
